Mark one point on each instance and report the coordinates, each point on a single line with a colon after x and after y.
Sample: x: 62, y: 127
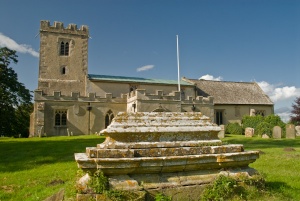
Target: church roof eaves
x: 112, y: 78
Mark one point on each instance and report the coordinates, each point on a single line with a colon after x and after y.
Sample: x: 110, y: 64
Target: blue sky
x: 229, y: 40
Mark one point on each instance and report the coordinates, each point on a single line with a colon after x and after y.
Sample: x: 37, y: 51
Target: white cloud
x: 279, y: 93
x: 283, y: 97
x: 210, y: 77
x: 284, y: 113
x: 285, y: 116
x: 144, y: 68
x: 5, y: 41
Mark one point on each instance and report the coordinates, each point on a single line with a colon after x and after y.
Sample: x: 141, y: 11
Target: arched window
x: 108, y: 118
x: 67, y: 49
x: 64, y: 119
x: 64, y: 49
x: 57, y: 119
x: 60, y: 118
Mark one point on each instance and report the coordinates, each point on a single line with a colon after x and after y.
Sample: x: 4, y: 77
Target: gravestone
x: 150, y: 151
x: 290, y: 131
x: 249, y: 132
x: 221, y: 134
x: 277, y: 132
x: 297, y: 130
x: 265, y: 136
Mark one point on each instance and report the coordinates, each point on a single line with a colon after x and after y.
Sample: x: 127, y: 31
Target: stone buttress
x: 164, y: 150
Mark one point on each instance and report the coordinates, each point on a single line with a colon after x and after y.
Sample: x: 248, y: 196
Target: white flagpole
x: 178, y: 67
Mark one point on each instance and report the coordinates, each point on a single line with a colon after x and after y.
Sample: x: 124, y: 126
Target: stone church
x: 69, y: 101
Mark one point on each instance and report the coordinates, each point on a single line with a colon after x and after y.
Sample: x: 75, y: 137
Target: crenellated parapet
x: 58, y: 27
x: 141, y: 94
x: 75, y: 96
x: 199, y: 100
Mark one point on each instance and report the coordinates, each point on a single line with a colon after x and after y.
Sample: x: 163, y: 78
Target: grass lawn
x: 36, y: 168
x: 279, y: 162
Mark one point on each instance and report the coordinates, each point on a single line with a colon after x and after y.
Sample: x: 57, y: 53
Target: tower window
x: 67, y: 49
x: 64, y: 49
x: 63, y: 70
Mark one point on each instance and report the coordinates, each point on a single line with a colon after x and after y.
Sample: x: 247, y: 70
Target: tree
x: 13, y: 94
x: 295, y: 117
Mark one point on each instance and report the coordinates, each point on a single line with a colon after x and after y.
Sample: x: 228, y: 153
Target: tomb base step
x: 119, y: 166
x: 178, y: 185
x: 93, y: 152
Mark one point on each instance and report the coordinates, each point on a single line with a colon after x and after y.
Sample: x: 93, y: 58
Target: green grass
x: 279, y: 164
x: 36, y: 168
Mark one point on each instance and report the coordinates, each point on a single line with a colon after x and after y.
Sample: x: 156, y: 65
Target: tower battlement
x: 58, y: 27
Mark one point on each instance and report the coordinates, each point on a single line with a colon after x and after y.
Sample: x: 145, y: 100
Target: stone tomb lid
x: 144, y: 122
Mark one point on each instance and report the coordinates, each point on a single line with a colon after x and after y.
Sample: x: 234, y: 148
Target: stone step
x: 112, y: 144
x: 93, y: 152
x: 143, y: 165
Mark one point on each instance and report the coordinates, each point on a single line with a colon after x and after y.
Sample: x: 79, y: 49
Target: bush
x: 274, y: 120
x: 162, y: 197
x: 252, y: 121
x: 234, y: 128
x: 264, y: 128
x: 235, y: 188
x: 263, y: 125
x: 98, y: 182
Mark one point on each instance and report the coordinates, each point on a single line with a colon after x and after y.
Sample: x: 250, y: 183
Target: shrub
x: 235, y: 188
x: 162, y: 197
x: 274, y: 120
x: 268, y: 123
x: 222, y: 188
x: 234, y: 128
x: 251, y: 121
x: 98, y: 182
x: 264, y: 128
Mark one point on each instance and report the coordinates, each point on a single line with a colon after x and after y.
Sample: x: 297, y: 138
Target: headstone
x: 290, y: 131
x: 221, y: 134
x: 297, y: 130
x: 249, y: 132
x: 277, y: 132
x: 265, y: 136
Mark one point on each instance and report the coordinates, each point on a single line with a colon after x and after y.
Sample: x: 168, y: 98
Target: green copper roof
x: 110, y: 78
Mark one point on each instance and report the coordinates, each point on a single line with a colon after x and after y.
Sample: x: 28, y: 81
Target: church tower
x: 63, y: 59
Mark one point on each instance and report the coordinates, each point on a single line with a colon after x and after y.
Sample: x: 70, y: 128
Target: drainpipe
x: 89, y: 108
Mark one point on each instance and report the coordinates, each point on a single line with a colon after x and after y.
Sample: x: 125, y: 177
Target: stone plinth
x: 180, y: 149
